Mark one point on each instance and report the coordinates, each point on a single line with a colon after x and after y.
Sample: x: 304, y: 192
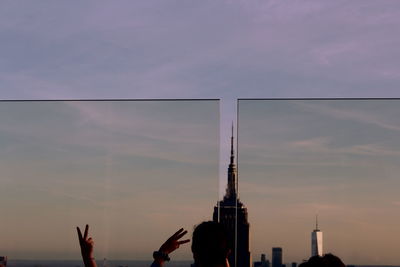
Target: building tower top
x: 316, y: 240
x: 233, y: 215
x: 232, y: 162
x: 316, y: 223
x: 231, y: 191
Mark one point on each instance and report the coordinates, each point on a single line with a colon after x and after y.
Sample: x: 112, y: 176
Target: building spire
x: 316, y: 224
x: 232, y: 150
x: 231, y: 192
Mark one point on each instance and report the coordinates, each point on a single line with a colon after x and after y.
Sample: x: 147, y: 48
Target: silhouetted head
x: 328, y: 260
x: 210, y: 244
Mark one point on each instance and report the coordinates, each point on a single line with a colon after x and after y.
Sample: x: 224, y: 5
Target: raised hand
x: 86, y: 247
x: 173, y: 242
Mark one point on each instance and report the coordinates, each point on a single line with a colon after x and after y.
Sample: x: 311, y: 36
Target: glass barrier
x: 135, y: 171
x: 320, y: 176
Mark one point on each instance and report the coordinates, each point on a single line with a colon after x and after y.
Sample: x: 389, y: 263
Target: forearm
x: 157, y: 263
x: 89, y: 262
x: 160, y: 258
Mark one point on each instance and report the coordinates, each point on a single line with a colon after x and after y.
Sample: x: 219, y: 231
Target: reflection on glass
x: 135, y: 171
x: 335, y: 159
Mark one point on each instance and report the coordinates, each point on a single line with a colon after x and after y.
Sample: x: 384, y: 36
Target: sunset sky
x: 339, y: 159
x: 172, y: 50
x: 135, y: 171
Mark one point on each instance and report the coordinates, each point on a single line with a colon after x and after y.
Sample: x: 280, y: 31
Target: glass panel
x: 335, y: 159
x: 135, y: 171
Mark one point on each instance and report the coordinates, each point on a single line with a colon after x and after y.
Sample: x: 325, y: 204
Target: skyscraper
x: 316, y: 240
x: 277, y: 256
x: 263, y: 262
x: 233, y: 215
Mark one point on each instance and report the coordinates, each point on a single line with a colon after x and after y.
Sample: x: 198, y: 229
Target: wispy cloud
x: 146, y: 129
x: 269, y: 190
x: 311, y: 143
x: 359, y: 114
x: 157, y: 49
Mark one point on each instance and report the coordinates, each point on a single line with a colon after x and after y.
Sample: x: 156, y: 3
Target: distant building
x: 316, y: 241
x: 233, y: 215
x: 277, y: 256
x: 263, y: 263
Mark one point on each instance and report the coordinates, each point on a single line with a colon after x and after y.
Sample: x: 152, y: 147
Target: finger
x: 173, y: 237
x: 183, y: 241
x: 86, y: 232
x: 181, y: 235
x: 177, y: 233
x: 90, y: 241
x: 79, y: 234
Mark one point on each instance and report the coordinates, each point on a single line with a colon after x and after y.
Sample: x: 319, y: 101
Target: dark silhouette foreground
x: 86, y: 247
x: 328, y: 260
x: 209, y: 247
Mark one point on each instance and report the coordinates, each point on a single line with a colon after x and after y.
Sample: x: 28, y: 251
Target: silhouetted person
x: 328, y: 260
x: 209, y: 246
x: 86, y: 247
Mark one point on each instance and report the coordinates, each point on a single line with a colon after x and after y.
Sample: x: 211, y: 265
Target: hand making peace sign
x: 86, y: 247
x: 173, y: 242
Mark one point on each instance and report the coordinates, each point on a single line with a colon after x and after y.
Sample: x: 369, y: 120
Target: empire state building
x: 233, y: 215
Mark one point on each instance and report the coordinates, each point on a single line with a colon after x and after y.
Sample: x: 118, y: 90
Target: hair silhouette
x: 328, y: 260
x: 210, y: 244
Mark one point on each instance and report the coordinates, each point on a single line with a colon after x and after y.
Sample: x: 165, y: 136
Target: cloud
x: 360, y: 113
x: 311, y: 143
x: 324, y: 145
x: 157, y: 130
x: 205, y: 49
x: 269, y: 189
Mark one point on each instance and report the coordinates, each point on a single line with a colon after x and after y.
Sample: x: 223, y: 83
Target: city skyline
x: 335, y: 158
x: 20, y: 129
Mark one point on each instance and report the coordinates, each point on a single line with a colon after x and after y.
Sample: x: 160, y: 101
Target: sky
x: 338, y: 159
x: 135, y: 171
x: 206, y: 49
